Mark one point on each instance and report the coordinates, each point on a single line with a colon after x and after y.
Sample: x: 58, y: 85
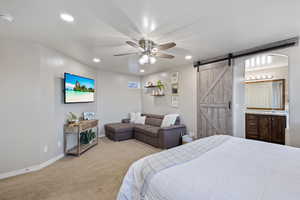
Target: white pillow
x: 140, y: 120
x: 169, y: 120
x: 133, y: 116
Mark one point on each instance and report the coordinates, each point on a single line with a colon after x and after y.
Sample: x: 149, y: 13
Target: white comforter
x: 238, y: 169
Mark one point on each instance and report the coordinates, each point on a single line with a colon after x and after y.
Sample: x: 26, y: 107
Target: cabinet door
x: 251, y: 127
x: 278, y: 129
x: 264, y: 127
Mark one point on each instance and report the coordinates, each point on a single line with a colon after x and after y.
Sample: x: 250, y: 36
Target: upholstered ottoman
x: 119, y: 131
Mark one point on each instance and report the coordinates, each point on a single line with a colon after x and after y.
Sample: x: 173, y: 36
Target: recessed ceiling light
x: 188, y: 57
x: 96, y: 60
x: 67, y: 17
x: 142, y: 70
x: 7, y: 17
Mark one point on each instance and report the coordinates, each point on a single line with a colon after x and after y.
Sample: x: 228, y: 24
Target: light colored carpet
x: 96, y: 175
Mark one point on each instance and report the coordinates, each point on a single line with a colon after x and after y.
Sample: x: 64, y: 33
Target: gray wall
x: 238, y: 100
x: 115, y: 99
x: 187, y: 96
x: 19, y: 106
x: 31, y: 103
x: 293, y: 136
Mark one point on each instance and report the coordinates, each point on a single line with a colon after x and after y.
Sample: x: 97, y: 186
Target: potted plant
x: 160, y: 87
x: 72, y: 118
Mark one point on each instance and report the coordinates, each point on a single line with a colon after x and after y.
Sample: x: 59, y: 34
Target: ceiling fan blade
x: 120, y: 20
x: 133, y: 44
x: 166, y: 46
x: 126, y: 54
x: 163, y: 55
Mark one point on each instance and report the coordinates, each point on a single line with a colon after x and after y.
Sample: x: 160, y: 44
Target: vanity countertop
x: 266, y: 112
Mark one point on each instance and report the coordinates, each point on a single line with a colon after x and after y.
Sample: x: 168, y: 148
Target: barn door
x: 214, y: 89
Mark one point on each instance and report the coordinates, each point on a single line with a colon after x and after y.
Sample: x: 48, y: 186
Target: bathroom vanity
x: 266, y: 115
x: 266, y: 127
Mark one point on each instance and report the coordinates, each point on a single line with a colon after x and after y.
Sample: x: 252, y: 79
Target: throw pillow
x: 169, y: 120
x: 133, y: 116
x: 140, y: 120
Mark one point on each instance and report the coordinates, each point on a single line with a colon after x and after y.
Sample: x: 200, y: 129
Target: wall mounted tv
x: 79, y: 89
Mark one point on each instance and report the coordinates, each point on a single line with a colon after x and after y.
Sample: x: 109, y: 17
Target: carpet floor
x: 96, y: 175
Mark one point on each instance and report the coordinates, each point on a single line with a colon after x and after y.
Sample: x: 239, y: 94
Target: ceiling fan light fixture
x: 145, y: 57
x: 142, y: 61
x: 152, y: 60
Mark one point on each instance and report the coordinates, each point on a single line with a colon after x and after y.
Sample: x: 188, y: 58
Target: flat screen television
x: 78, y: 89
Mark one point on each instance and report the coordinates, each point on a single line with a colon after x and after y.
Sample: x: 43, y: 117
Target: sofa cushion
x: 140, y: 120
x: 151, y: 131
x: 153, y: 116
x: 119, y: 127
x: 169, y: 120
x: 153, y: 121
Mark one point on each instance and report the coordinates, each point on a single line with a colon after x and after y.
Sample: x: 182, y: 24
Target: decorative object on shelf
x: 89, y: 115
x: 157, y: 89
x: 174, y: 77
x: 87, y: 137
x: 160, y: 87
x: 72, y: 118
x: 175, y: 101
x: 149, y: 84
x: 174, y: 88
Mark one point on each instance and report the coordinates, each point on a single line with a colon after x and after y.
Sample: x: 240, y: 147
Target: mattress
x: 216, y: 168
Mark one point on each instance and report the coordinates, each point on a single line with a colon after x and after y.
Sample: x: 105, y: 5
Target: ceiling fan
x: 149, y: 50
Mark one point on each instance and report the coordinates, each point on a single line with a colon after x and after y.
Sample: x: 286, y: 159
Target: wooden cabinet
x: 268, y: 128
x: 78, y: 129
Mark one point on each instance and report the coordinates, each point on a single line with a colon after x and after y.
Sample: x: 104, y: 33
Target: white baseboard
x: 31, y: 168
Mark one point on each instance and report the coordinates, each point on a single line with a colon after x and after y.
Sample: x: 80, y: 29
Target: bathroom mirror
x: 265, y: 95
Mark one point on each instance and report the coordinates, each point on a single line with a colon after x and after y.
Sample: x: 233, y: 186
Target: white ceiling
x: 202, y: 28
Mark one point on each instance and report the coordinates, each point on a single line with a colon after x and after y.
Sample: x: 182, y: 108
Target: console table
x: 77, y: 129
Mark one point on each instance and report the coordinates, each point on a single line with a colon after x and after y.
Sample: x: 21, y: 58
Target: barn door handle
x: 229, y: 105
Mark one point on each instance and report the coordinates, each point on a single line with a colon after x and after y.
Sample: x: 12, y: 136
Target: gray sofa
x: 150, y: 133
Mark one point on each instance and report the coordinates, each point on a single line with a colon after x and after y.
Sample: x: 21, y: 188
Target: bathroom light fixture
x: 67, y: 17
x: 142, y: 70
x: 259, y: 77
x: 152, y: 60
x: 247, y: 63
x: 263, y: 60
x: 269, y: 59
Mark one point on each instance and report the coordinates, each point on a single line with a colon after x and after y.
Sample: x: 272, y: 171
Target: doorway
x: 266, y: 97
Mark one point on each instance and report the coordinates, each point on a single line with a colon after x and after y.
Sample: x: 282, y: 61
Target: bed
x: 216, y: 168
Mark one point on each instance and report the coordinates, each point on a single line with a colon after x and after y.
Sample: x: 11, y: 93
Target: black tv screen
x: 79, y: 89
